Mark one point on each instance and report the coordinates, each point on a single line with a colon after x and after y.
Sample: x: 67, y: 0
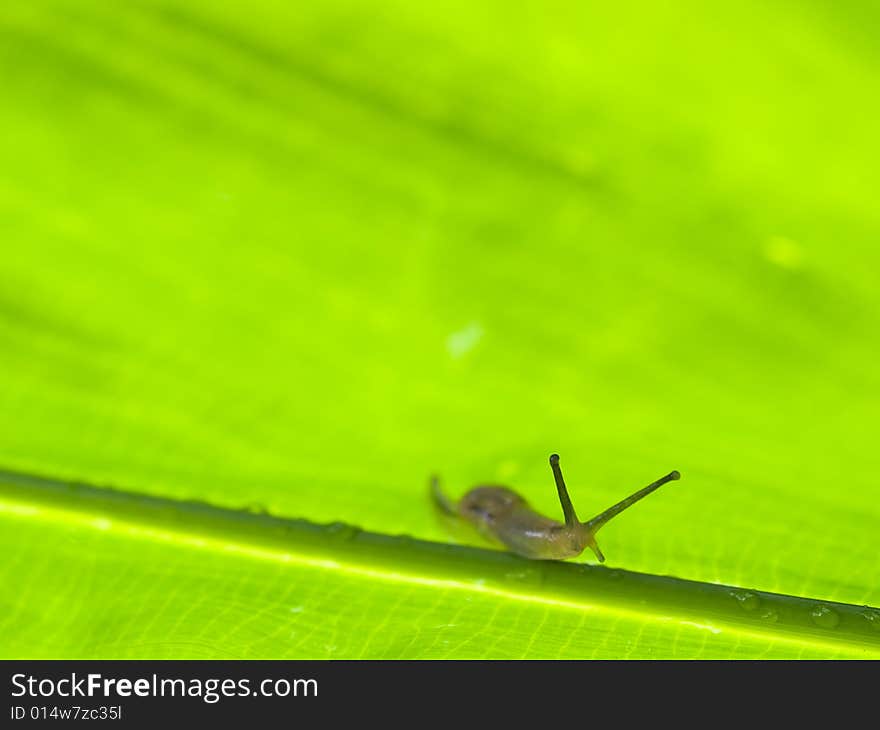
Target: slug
x: 502, y: 516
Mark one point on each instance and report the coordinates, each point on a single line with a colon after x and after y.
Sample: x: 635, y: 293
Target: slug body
x: 503, y: 516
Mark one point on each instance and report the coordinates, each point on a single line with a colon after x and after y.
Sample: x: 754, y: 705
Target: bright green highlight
x: 300, y: 259
x: 202, y: 604
x: 778, y: 626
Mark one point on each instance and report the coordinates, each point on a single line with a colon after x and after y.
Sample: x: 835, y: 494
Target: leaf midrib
x: 803, y: 621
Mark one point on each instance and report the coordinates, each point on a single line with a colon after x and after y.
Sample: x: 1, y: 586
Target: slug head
x: 585, y: 532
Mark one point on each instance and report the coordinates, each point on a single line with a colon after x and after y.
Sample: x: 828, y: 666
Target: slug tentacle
x: 567, y: 509
x: 601, y: 519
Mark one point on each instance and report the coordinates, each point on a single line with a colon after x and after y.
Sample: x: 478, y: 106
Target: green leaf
x: 297, y: 261
x: 367, y: 586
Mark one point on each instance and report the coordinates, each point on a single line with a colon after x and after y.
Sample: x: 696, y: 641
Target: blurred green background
x: 300, y: 257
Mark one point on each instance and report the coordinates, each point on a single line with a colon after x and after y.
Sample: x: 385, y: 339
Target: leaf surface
x: 297, y: 261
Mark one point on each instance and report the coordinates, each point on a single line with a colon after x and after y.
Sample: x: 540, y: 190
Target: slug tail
x: 443, y: 503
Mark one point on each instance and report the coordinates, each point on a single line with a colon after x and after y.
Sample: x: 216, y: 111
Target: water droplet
x: 872, y: 616
x: 825, y: 616
x: 460, y: 343
x: 256, y: 508
x: 770, y: 615
x: 747, y: 601
x: 341, y: 530
x: 529, y: 576
x: 615, y: 574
